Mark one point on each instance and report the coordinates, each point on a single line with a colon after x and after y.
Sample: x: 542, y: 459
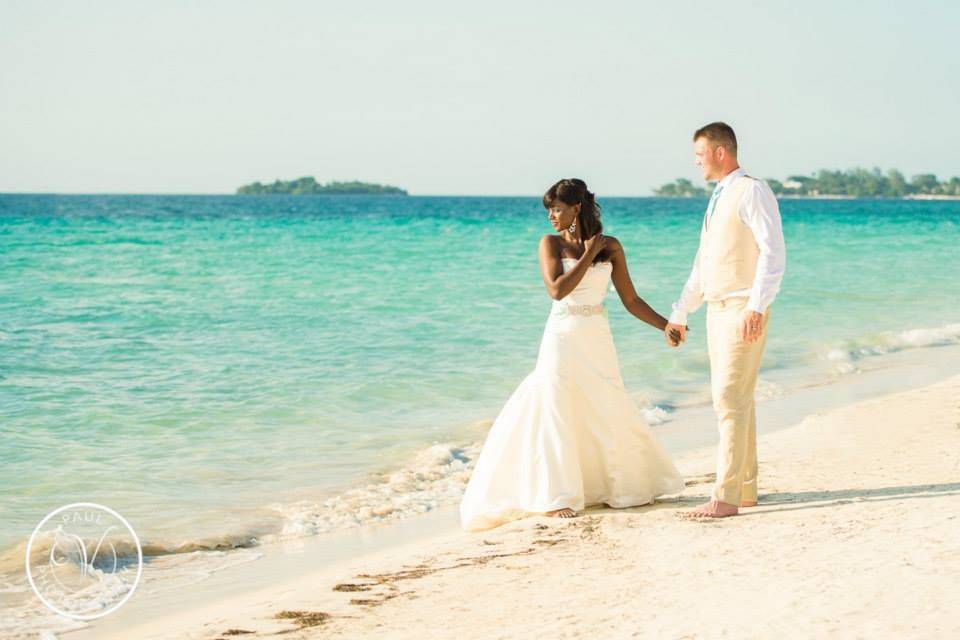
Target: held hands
x: 675, y: 334
x: 751, y: 327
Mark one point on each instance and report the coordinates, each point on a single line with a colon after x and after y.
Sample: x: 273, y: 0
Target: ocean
x: 229, y: 370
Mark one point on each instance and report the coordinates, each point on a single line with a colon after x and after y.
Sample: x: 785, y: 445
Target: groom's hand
x: 751, y: 327
x: 675, y: 333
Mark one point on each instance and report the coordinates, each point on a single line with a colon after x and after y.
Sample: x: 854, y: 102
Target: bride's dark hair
x: 571, y: 191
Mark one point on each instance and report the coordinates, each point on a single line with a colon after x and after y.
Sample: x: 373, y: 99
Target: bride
x: 570, y: 435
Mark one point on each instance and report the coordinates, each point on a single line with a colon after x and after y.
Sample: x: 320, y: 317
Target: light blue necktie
x: 713, y: 202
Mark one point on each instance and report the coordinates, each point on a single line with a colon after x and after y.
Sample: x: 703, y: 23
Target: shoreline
x: 680, y: 426
x: 427, y: 474
x: 795, y: 394
x: 400, y: 541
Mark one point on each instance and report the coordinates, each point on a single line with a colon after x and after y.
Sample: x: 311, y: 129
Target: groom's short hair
x: 719, y: 133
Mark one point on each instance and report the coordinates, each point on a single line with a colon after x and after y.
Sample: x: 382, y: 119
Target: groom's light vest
x: 728, y: 250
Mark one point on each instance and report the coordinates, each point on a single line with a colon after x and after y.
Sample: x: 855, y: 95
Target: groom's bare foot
x: 713, y: 509
x: 562, y: 513
x: 748, y: 503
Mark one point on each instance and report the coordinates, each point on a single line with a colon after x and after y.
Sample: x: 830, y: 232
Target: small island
x: 855, y: 183
x: 309, y: 186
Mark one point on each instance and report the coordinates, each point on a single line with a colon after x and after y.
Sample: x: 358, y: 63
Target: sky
x: 443, y: 98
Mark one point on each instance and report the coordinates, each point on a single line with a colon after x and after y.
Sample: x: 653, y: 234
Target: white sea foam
x: 29, y: 619
x: 844, y: 359
x: 436, y: 477
x: 655, y: 415
x: 25, y: 617
x: 767, y: 390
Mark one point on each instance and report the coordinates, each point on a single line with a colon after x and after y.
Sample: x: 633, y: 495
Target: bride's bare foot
x: 748, y: 503
x: 562, y: 513
x: 713, y: 509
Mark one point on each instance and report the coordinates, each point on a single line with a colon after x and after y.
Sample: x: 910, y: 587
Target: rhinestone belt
x: 580, y: 309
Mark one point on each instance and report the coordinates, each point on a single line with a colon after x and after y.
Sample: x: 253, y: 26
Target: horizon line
x: 302, y: 195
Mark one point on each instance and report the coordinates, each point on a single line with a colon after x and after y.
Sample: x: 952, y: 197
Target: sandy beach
x: 855, y: 537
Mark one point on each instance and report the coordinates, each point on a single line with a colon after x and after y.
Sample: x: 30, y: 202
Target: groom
x: 737, y: 271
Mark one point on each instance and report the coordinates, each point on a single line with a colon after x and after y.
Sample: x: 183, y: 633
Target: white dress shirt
x: 761, y: 213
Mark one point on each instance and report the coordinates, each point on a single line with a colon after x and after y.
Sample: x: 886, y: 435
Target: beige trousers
x: 734, y: 366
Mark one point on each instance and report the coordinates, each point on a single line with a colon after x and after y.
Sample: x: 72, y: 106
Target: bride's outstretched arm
x: 560, y: 284
x: 624, y: 285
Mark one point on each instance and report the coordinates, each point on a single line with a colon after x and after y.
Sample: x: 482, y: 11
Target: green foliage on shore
x: 309, y: 186
x: 681, y: 188
x: 855, y: 183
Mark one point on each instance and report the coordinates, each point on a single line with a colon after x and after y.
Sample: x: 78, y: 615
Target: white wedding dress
x: 570, y: 435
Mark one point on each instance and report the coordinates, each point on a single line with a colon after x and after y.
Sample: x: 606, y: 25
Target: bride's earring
x: 573, y: 227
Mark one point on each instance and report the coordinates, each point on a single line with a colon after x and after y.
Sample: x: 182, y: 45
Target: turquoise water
x: 227, y: 366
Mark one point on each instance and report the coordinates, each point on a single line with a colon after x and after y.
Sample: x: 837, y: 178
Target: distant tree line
x: 856, y: 183
x: 681, y: 188
x: 308, y: 185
